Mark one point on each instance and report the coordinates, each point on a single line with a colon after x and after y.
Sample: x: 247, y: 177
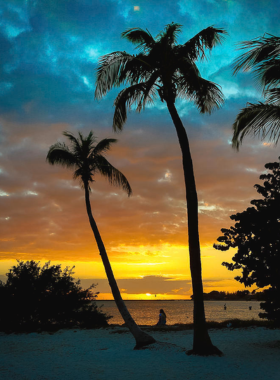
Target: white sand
x: 105, y: 354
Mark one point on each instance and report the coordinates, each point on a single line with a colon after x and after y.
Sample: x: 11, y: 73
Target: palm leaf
x: 205, y: 94
x: 108, y: 71
x: 103, y: 146
x: 124, y: 102
x: 60, y: 154
x: 208, y: 96
x: 268, y: 73
x: 71, y: 137
x: 114, y: 176
x: 170, y: 34
x: 75, y: 143
x: 273, y: 96
x: 137, y: 69
x: 260, y: 119
x: 261, y: 49
x: 139, y: 36
x: 86, y: 146
x: 206, y: 39
x: 149, y: 91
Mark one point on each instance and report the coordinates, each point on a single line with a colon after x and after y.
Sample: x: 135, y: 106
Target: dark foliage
x: 256, y: 236
x: 235, y: 296
x: 260, y: 119
x: 162, y: 69
x: 45, y: 298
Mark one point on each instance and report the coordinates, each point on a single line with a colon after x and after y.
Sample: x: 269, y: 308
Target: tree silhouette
x: 166, y: 69
x: 255, y: 235
x: 47, y: 297
x: 86, y: 159
x: 261, y: 119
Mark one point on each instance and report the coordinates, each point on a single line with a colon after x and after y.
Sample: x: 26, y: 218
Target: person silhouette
x: 162, y: 318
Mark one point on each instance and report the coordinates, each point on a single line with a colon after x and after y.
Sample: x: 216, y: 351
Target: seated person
x: 162, y: 318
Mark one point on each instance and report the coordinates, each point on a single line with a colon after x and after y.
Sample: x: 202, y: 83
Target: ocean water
x: 146, y: 312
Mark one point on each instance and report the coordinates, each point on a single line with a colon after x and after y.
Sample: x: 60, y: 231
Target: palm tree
x: 86, y: 159
x: 166, y: 69
x: 261, y: 119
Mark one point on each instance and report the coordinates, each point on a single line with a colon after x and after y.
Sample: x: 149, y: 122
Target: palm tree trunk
x: 142, y: 338
x: 202, y: 344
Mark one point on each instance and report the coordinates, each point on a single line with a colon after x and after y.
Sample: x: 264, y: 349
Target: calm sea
x: 146, y: 312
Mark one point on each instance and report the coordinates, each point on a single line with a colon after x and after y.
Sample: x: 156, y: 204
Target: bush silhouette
x: 45, y: 298
x: 255, y: 239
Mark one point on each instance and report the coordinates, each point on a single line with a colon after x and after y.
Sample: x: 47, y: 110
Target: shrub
x: 255, y: 239
x: 47, y: 297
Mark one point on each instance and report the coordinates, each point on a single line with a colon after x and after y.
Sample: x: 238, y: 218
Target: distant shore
x: 163, y: 300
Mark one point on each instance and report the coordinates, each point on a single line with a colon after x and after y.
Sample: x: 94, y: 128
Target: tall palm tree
x: 261, y: 119
x: 86, y: 159
x: 166, y: 69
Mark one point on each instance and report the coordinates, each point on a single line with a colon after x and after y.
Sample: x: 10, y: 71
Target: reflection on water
x: 146, y: 312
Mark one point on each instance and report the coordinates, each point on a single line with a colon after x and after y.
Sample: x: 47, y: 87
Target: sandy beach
x: 107, y: 353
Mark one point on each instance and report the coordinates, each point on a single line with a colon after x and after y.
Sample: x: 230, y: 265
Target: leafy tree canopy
x: 256, y: 236
x: 35, y: 297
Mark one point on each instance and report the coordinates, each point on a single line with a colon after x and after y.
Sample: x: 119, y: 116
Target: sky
x: 49, y: 52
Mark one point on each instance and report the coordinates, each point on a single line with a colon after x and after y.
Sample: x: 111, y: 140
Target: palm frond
x: 114, y: 176
x: 60, y: 154
x: 75, y: 143
x: 91, y: 140
x: 139, y: 36
x: 86, y: 145
x: 103, y: 146
x: 186, y: 67
x: 205, y: 94
x: 204, y: 40
x: 124, y: 101
x: 136, y: 70
x: 260, y: 50
x: 169, y: 34
x: 262, y: 120
x: 71, y: 137
x: 149, y: 91
x: 108, y: 71
x: 208, y: 96
x: 268, y: 73
x: 273, y: 96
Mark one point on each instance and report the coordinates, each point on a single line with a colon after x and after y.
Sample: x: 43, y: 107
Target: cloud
x: 148, y: 284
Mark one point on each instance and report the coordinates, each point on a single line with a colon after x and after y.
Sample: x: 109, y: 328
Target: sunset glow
x: 49, y: 55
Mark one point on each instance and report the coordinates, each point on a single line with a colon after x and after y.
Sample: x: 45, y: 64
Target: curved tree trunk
x: 202, y: 344
x: 142, y: 338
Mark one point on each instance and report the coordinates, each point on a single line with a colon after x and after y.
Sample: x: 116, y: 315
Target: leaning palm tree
x: 166, y: 69
x: 261, y: 119
x: 86, y: 159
